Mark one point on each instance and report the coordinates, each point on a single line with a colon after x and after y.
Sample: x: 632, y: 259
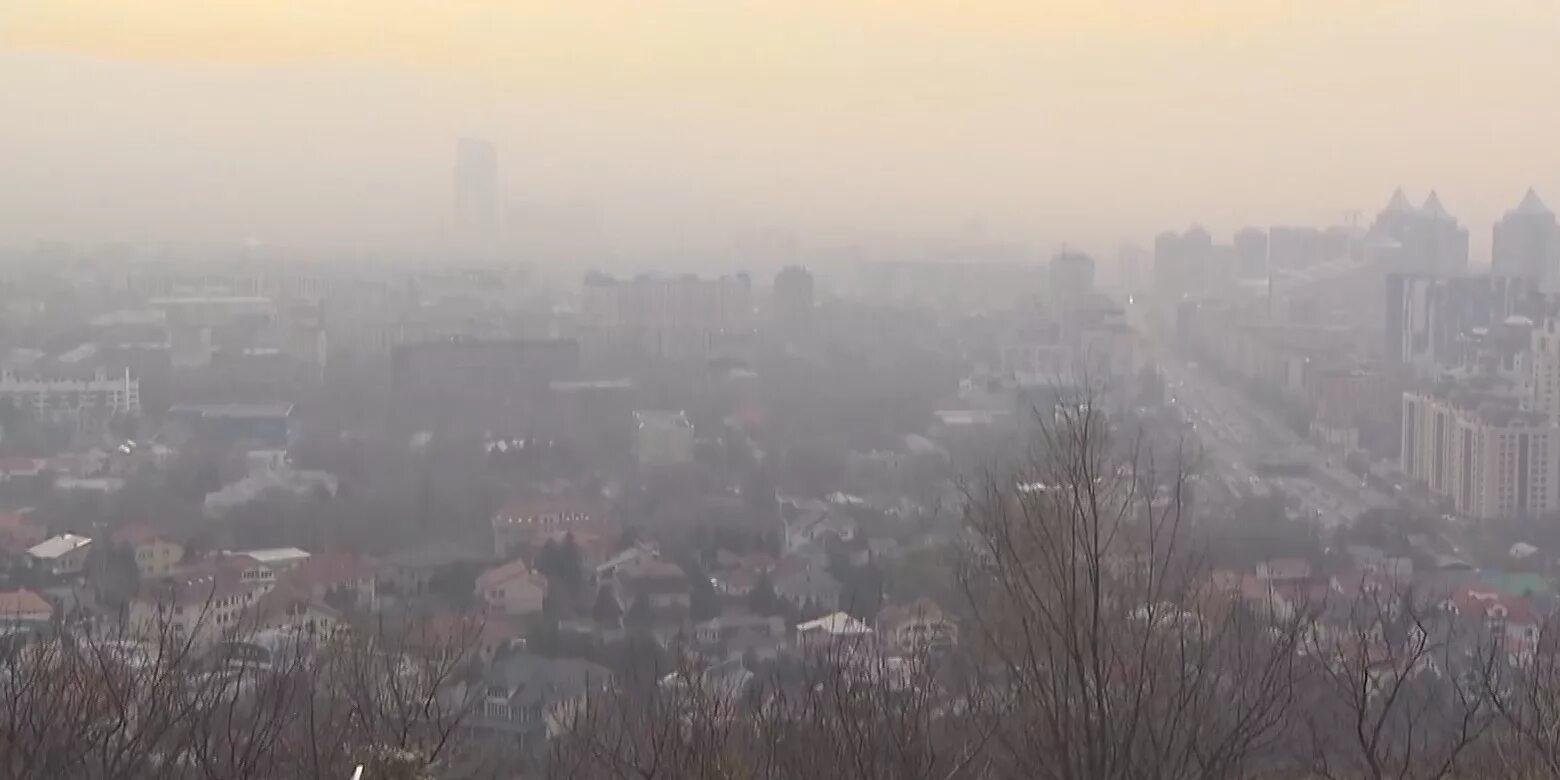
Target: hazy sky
x: 1090, y: 121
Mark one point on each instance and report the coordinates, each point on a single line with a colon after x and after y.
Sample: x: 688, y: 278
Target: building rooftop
x: 1532, y: 204
x: 56, y: 546
x: 234, y: 411
x: 275, y: 554
x: 837, y: 624
x: 14, y: 603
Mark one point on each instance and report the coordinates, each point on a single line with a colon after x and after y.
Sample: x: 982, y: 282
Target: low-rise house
x: 409, y: 572
x: 735, y: 576
x: 277, y: 559
x: 24, y: 608
x: 1284, y: 570
x: 607, y: 571
x: 18, y: 533
x: 830, y: 630
x: 529, y: 698
x: 512, y: 589
x: 664, y: 586
x: 295, y: 608
x: 809, y: 588
x: 734, y: 636
x: 916, y: 627
x: 61, y: 555
x: 662, y: 438
x: 21, y: 467
x: 1512, y: 622
x: 525, y: 524
x: 341, y: 580
x: 156, y: 554
x: 198, y: 608
x: 811, y: 522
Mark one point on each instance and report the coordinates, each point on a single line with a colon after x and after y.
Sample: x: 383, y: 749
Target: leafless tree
x: 157, y: 702
x: 1117, y: 652
x: 1397, y: 688
x: 846, y: 711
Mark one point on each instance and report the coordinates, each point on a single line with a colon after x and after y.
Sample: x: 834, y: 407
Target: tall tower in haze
x: 1527, y: 242
x: 476, y: 193
x: 1426, y: 240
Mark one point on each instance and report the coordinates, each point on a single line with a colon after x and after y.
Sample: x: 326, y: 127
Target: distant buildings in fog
x: 1425, y: 240
x: 668, y: 317
x: 1527, y: 243
x: 476, y: 194
x: 1072, y: 279
x: 793, y: 300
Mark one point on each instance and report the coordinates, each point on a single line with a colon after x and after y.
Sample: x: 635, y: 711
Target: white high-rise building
x: 64, y: 398
x: 1544, y: 369
x: 1491, y: 458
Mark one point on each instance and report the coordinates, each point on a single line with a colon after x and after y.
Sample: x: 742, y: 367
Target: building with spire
x: 1527, y: 243
x: 1424, y: 240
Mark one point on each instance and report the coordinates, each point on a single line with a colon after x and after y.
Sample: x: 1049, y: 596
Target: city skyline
x: 1065, y: 122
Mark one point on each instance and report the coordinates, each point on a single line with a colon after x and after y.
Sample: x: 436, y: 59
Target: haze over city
x: 696, y: 390
x: 681, y: 124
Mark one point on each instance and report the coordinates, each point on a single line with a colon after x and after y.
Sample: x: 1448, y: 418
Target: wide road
x: 1237, y: 434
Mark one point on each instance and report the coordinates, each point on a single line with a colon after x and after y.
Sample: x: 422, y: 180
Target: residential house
x: 156, y: 554
x: 734, y: 636
x: 530, y: 699
x: 409, y: 572
x: 512, y: 589
x: 24, y: 608
x: 61, y: 555
x: 664, y: 586
x: 1284, y: 570
x: 21, y: 468
x: 1512, y: 622
x: 196, y: 608
x: 918, y: 626
x: 524, y: 524
x: 831, y: 630
x: 339, y: 579
x: 607, y: 570
x: 296, y: 608
x: 18, y: 533
x: 810, y: 522
x: 662, y: 438
x: 277, y: 559
x: 809, y: 588
x: 735, y: 576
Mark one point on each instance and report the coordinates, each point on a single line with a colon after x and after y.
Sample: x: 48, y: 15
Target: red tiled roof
x: 1473, y: 601
x: 527, y: 508
x: 510, y: 571
x: 331, y: 569
x: 15, y: 463
x: 137, y: 534
x: 197, y: 588
x: 22, y: 602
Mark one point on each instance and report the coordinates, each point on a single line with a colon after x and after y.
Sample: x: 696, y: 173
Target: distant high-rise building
x: 1131, y: 262
x: 476, y: 192
x: 1491, y: 458
x: 793, y: 301
x: 1432, y: 322
x: 1251, y: 252
x: 1072, y: 279
x: 1182, y: 262
x: 676, y: 317
x: 1425, y: 240
x: 1527, y: 242
x: 1544, y: 362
